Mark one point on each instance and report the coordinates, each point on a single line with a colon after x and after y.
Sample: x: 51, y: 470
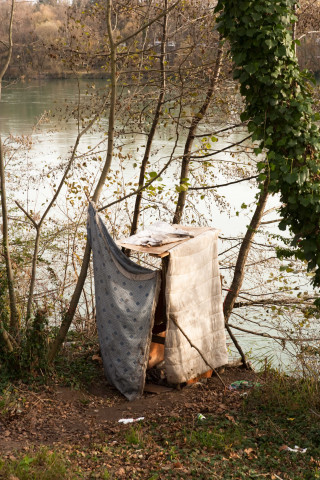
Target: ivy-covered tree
x: 278, y: 109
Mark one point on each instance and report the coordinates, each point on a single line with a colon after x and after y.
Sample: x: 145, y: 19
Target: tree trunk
x: 14, y: 318
x: 68, y: 317
x: 9, y: 47
x: 33, y: 273
x: 241, y: 262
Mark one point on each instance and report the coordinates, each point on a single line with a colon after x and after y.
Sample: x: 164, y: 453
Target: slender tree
x: 156, y: 117
x: 185, y: 167
x: 113, y: 45
x: 14, y: 318
x: 8, y: 47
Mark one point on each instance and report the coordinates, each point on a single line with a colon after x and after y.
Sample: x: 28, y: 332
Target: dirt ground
x: 59, y: 415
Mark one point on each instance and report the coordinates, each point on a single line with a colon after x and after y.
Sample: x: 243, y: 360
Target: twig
x: 267, y: 335
x: 146, y: 25
x: 315, y: 413
x: 138, y: 189
x: 194, y: 159
x: 27, y: 214
x: 196, y: 348
x: 219, y: 131
x: 225, y: 184
x: 205, y: 467
x: 277, y: 429
x: 308, y: 33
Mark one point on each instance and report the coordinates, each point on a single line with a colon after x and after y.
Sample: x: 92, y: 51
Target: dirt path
x: 58, y: 415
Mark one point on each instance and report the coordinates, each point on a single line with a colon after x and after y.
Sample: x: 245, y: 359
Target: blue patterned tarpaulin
x: 126, y: 296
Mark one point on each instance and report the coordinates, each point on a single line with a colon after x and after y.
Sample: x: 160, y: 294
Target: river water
x: 25, y: 108
x: 34, y: 110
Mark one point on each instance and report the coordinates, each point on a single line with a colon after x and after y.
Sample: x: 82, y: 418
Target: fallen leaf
x: 121, y: 471
x: 248, y: 450
x: 230, y: 417
x: 234, y: 455
x: 96, y: 358
x: 283, y: 447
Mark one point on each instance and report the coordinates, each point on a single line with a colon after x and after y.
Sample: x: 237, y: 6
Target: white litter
x: 201, y: 417
x: 296, y: 449
x: 130, y: 420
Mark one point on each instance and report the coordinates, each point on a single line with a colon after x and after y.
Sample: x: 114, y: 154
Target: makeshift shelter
x: 127, y: 297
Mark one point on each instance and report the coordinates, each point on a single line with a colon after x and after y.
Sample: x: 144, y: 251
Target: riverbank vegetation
x: 167, y: 69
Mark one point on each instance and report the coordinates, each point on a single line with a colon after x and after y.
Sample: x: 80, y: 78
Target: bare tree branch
x: 190, y: 138
x: 67, y: 320
x: 274, y: 337
x: 146, y: 25
x: 9, y: 46
x: 172, y: 319
x: 224, y: 184
x: 156, y: 117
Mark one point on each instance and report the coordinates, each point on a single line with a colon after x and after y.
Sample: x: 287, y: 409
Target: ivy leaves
x: 279, y: 113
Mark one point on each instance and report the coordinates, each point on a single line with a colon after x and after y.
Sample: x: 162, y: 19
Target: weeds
x: 287, y: 394
x: 75, y: 368
x: 11, y: 402
x: 135, y: 436
x: 28, y: 360
x: 44, y: 464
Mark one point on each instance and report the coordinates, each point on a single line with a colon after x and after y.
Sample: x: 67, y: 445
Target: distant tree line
x: 57, y: 39
x: 48, y: 32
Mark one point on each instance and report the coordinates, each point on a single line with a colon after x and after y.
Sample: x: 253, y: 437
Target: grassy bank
x: 246, y: 437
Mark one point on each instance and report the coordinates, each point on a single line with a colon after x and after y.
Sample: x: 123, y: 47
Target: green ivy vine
x: 279, y: 113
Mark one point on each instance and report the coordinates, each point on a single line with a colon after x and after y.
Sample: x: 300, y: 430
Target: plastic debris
x: 130, y: 420
x: 296, y: 449
x: 201, y: 417
x: 243, y: 384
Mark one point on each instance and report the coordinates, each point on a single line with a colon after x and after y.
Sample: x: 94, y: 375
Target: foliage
x: 29, y: 359
x: 75, y: 367
x: 286, y: 395
x: 279, y: 114
x: 36, y: 342
x: 134, y: 436
x: 43, y: 464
